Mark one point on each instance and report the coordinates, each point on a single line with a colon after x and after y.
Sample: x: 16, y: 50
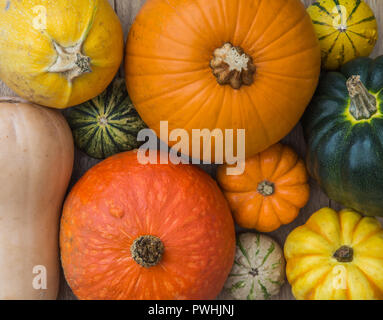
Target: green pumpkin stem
x: 147, y: 251
x: 363, y: 104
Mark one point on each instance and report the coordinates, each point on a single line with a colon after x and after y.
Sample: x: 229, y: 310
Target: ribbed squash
x: 344, y: 131
x: 336, y: 256
x: 107, y: 124
x: 259, y: 269
x: 270, y: 192
x: 223, y: 64
x: 346, y: 29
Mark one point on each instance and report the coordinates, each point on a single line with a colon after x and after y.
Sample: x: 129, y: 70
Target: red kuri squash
x: 133, y: 231
x: 223, y: 64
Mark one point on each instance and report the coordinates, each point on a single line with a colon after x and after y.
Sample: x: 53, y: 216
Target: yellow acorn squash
x: 336, y: 256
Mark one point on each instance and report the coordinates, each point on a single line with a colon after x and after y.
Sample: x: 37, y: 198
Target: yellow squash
x: 346, y: 29
x: 59, y: 53
x: 336, y: 256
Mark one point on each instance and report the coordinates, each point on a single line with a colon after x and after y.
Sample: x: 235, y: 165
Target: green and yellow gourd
x: 107, y: 124
x: 346, y: 29
x: 258, y: 272
x: 344, y: 130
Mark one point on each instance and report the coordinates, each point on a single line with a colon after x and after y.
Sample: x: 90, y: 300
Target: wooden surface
x: 127, y: 10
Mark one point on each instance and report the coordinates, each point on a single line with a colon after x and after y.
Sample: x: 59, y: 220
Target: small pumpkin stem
x: 103, y: 121
x: 232, y: 66
x: 266, y: 188
x: 363, y: 104
x: 70, y: 62
x: 147, y: 251
x: 254, y: 272
x: 344, y: 254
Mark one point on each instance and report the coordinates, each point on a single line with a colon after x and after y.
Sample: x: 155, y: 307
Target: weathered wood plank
x: 127, y: 10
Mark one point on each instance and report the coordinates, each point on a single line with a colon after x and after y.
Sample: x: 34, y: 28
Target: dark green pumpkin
x: 107, y: 124
x: 344, y: 130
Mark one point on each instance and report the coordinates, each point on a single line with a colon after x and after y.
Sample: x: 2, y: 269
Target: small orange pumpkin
x: 271, y: 191
x: 134, y: 231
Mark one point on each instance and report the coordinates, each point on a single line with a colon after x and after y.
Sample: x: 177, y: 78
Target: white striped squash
x: 258, y: 272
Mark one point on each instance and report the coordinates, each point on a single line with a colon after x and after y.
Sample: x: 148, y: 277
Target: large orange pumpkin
x: 223, y: 64
x: 271, y: 191
x: 133, y: 231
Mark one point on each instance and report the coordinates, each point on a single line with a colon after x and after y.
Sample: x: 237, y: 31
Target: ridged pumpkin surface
x: 169, y: 59
x: 107, y: 124
x: 271, y: 191
x: 120, y: 200
x: 346, y: 29
x: 336, y: 256
x: 59, y: 53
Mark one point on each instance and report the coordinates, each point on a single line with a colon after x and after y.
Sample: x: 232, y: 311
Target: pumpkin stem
x: 70, y: 62
x: 254, y: 272
x: 103, y: 121
x: 232, y: 66
x: 147, y: 251
x: 344, y: 254
x: 363, y: 104
x: 266, y: 188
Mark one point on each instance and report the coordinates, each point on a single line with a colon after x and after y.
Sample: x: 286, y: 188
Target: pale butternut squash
x: 36, y: 160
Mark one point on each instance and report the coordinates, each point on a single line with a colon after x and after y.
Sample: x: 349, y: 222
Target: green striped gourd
x: 346, y: 29
x: 258, y: 272
x: 107, y: 124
